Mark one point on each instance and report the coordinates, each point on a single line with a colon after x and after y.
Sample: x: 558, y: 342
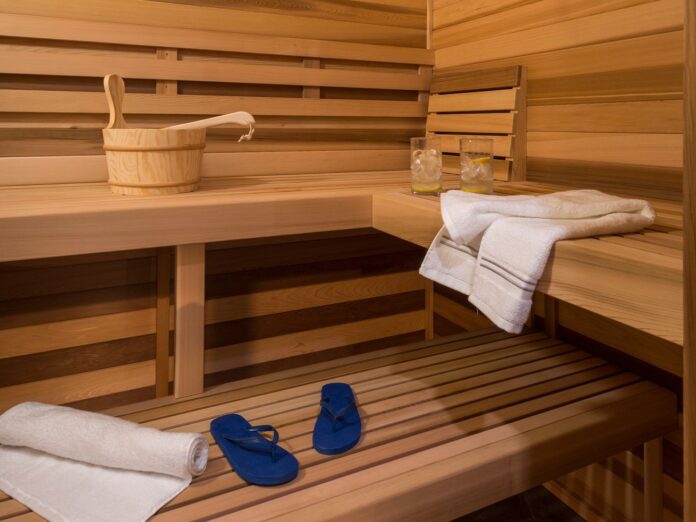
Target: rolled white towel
x: 50, y: 454
x: 102, y: 440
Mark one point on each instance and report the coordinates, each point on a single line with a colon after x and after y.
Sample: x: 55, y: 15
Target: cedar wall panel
x: 360, y: 118
x: 604, y: 84
x: 81, y: 330
x: 605, y: 111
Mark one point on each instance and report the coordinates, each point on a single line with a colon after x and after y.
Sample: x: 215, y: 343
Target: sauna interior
x: 150, y: 280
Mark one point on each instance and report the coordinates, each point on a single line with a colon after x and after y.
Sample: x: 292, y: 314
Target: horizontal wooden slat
x: 630, y: 149
x: 502, y: 145
x: 650, y: 83
x: 309, y: 341
x: 70, y: 64
x: 643, y: 52
x: 176, y: 17
x: 48, y: 27
x: 498, y: 100
x: 70, y: 102
x: 634, y: 180
x: 447, y: 12
x: 453, y: 79
x: 655, y: 17
x: 519, y: 17
x: 633, y: 117
x: 90, y: 169
x: 494, y: 122
x: 650, y: 349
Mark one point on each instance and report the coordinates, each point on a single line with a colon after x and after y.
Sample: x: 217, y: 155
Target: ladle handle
x: 115, y: 90
x: 240, y: 118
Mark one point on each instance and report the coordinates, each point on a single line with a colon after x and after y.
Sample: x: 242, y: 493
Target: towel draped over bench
x: 495, y: 248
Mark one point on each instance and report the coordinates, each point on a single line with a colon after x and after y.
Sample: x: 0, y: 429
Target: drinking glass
x: 476, y: 165
x: 426, y: 165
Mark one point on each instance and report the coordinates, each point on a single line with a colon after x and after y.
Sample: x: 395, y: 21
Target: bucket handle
x: 115, y: 90
x: 240, y: 118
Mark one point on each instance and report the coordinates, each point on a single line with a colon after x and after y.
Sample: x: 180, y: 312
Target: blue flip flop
x: 255, y: 458
x: 338, y: 425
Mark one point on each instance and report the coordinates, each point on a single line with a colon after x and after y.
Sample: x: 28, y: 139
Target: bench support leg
x: 429, y: 310
x: 190, y: 317
x: 550, y: 316
x: 652, y: 477
x: 162, y: 323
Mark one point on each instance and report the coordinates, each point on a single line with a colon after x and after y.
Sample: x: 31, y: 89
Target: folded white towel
x: 72, y: 465
x: 495, y: 248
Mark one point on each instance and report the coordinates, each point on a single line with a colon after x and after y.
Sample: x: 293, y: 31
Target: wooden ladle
x: 115, y: 90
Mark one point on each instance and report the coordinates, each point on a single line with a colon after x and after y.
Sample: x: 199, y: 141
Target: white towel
x: 74, y: 466
x: 495, y: 248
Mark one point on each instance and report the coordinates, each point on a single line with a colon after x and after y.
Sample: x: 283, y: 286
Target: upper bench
x: 634, y: 279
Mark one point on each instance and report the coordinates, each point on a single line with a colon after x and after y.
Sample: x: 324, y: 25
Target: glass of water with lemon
x: 476, y: 165
x: 426, y: 165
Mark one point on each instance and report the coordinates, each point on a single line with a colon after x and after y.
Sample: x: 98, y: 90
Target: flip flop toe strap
x: 252, y: 442
x: 339, y: 414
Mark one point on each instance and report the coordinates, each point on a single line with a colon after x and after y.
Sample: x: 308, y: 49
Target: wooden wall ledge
x: 635, y: 279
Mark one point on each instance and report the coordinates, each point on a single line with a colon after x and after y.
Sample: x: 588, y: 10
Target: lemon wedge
x: 482, y: 160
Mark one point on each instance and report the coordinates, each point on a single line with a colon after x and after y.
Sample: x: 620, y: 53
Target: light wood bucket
x: 154, y: 161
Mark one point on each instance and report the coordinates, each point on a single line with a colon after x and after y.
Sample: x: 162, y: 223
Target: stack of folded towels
x: 495, y: 248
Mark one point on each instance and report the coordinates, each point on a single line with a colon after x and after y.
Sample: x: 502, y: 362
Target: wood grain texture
x: 169, y: 15
x: 190, y: 319
x: 690, y: 264
x: 39, y: 24
x: 525, y: 15
x: 162, y: 321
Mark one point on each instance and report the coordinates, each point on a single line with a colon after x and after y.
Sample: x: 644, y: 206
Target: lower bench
x: 450, y: 426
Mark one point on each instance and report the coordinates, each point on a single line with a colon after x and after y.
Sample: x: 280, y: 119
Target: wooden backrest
x: 486, y: 103
x: 321, y: 106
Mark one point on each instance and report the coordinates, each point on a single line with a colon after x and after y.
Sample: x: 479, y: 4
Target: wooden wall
x: 335, y: 89
x: 81, y: 330
x: 604, y: 84
x: 605, y: 111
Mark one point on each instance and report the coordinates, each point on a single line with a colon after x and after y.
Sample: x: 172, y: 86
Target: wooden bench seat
x: 450, y: 426
x: 634, y: 279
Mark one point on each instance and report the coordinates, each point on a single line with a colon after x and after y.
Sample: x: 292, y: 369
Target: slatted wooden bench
x: 451, y: 425
x: 632, y: 279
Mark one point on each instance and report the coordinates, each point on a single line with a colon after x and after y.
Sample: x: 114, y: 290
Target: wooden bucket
x: 154, y: 161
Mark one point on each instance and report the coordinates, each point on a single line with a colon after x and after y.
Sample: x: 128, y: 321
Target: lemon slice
x: 482, y: 160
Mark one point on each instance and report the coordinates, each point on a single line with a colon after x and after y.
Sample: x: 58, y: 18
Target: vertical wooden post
x: 550, y: 315
x: 652, y: 480
x: 162, y: 323
x: 519, y: 141
x: 169, y: 87
x: 429, y: 24
x: 311, y: 92
x: 690, y: 262
x: 429, y: 310
x: 190, y: 319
